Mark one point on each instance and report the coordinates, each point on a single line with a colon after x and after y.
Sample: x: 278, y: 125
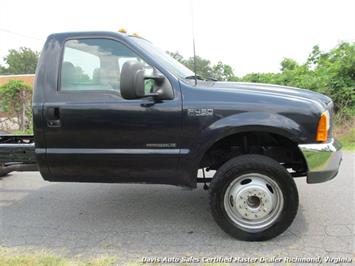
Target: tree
x: 260, y: 78
x: 331, y: 73
x: 337, y: 70
x: 223, y: 72
x: 314, y: 56
x: 288, y: 64
x: 177, y: 56
x: 15, y: 99
x: 21, y: 61
x: 204, y: 68
x: 2, y: 70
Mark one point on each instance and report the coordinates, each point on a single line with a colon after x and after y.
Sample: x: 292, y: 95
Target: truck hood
x: 275, y: 90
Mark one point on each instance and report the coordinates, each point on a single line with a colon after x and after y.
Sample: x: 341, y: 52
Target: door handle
x: 53, y: 117
x: 54, y: 123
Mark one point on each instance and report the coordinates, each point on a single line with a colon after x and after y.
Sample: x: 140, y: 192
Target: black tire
x: 247, y: 164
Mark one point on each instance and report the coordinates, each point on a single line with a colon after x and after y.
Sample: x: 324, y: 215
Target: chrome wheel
x: 253, y: 202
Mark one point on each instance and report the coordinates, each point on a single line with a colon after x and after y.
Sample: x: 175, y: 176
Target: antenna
x: 193, y: 38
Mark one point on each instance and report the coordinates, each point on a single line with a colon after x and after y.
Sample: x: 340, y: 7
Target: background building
x: 27, y: 78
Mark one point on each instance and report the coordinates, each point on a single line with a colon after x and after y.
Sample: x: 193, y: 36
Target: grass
x: 14, y: 257
x: 10, y: 257
x: 348, y: 140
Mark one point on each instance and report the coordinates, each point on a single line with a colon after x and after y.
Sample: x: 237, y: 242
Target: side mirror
x: 134, y: 84
x: 132, y: 80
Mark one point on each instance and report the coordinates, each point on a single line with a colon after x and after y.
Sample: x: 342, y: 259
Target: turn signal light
x: 323, y: 127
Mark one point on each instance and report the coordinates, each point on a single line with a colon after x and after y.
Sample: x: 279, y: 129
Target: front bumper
x: 323, y: 160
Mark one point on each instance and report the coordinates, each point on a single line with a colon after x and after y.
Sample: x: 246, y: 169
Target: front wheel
x: 253, y: 198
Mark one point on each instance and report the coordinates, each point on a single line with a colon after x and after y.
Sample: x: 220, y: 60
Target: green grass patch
x: 9, y: 257
x: 348, y: 140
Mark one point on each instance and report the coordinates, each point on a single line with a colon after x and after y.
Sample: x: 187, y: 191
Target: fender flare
x: 249, y: 122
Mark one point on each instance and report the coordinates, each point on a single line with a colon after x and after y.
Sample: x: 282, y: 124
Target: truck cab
x: 110, y: 107
x: 88, y: 131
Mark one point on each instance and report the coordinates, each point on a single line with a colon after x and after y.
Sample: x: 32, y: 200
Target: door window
x: 95, y: 64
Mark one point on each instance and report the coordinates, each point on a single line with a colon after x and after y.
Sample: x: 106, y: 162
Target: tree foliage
x: 21, y: 61
x: 222, y: 72
x: 204, y: 68
x: 15, y: 100
x: 331, y: 73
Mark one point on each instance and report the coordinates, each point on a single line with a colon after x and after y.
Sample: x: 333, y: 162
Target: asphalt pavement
x: 132, y: 221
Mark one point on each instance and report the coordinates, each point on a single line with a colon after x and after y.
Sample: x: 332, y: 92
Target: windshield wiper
x: 200, y: 78
x: 194, y: 77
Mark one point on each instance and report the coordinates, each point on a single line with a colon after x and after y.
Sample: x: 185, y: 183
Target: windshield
x: 172, y: 65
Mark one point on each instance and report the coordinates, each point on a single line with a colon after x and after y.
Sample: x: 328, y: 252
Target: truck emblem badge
x: 200, y: 112
x: 160, y: 145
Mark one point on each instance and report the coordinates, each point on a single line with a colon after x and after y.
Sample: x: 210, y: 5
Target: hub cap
x: 253, y: 202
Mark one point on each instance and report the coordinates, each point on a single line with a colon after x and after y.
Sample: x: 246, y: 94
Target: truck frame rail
x: 17, y: 153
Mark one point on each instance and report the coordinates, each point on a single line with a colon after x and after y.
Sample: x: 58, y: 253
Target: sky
x: 251, y: 36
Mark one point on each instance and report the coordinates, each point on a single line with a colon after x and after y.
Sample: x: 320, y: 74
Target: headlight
x: 323, y: 127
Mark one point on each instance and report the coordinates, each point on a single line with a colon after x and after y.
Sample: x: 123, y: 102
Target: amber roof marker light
x: 323, y: 127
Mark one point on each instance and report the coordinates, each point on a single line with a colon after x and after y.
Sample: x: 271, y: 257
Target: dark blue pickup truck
x: 109, y: 107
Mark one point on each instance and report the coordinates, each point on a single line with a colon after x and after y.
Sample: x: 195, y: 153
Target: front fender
x: 258, y: 121
x: 252, y: 122
x: 245, y: 122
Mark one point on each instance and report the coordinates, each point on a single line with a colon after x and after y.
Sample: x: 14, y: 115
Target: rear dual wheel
x: 253, y: 198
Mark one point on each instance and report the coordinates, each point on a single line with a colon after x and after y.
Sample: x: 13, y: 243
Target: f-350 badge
x: 200, y: 112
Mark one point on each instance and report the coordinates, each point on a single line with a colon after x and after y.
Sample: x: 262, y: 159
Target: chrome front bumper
x: 323, y: 160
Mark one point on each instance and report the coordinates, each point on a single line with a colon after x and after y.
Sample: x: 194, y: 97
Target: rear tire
x: 253, y: 198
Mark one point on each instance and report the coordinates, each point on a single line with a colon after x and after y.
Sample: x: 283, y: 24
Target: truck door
x: 93, y: 134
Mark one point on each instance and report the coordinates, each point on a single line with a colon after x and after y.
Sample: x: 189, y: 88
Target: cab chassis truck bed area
x: 17, y: 153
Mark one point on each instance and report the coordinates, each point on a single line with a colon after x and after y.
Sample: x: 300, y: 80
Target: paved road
x: 131, y: 221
